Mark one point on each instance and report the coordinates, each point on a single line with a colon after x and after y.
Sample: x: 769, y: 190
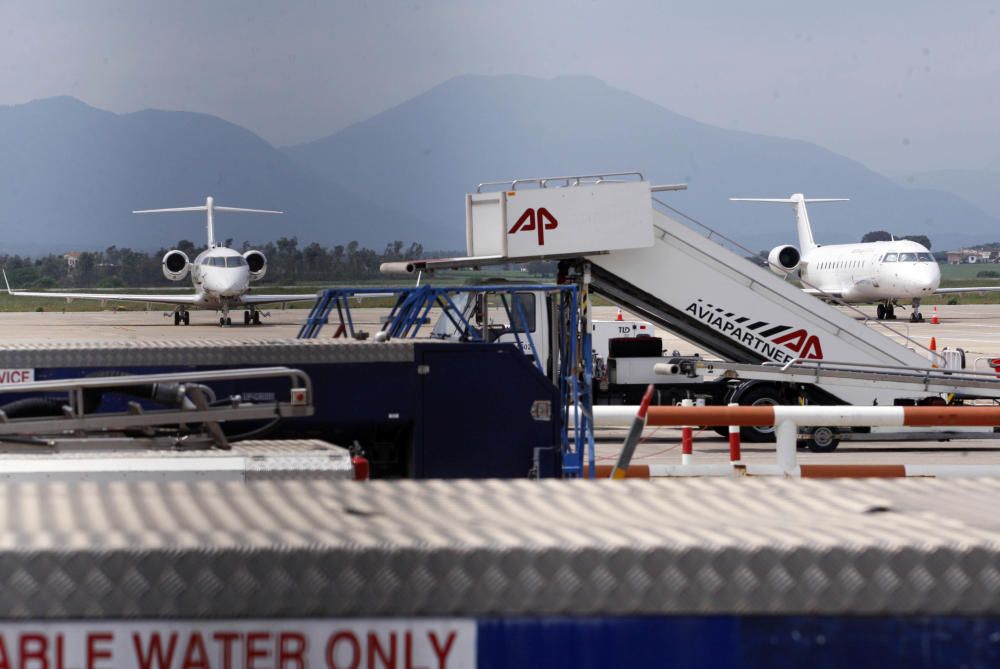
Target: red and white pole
x: 687, y: 439
x: 620, y: 469
x: 734, y: 440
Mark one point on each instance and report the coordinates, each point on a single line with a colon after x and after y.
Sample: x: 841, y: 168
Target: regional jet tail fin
x: 208, y: 207
x: 798, y: 201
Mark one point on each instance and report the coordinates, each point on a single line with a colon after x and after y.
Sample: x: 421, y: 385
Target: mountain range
x: 980, y: 187
x: 70, y: 174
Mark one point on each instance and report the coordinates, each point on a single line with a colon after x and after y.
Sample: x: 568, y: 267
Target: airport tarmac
x: 140, y: 325
x: 975, y: 328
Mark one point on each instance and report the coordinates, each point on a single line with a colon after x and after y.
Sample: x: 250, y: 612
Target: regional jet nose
x: 928, y: 277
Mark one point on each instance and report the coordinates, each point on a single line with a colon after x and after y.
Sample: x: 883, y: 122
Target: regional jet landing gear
x: 224, y: 319
x: 916, y: 316
x: 886, y: 311
x: 182, y: 316
x: 251, y: 316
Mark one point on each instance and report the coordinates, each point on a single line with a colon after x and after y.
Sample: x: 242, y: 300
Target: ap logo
x: 540, y: 220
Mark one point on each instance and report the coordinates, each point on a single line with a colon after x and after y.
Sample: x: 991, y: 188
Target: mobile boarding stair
x: 614, y: 240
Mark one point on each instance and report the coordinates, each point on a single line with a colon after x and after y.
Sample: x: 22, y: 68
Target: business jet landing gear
x: 225, y: 320
x: 886, y: 311
x: 182, y: 316
x: 251, y: 317
x: 916, y: 316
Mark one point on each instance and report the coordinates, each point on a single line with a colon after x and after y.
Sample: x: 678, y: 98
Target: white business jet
x: 879, y: 272
x: 221, y: 277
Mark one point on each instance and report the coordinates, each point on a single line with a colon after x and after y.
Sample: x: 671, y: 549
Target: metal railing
x: 866, y: 320
x: 192, y: 404
x: 575, y: 180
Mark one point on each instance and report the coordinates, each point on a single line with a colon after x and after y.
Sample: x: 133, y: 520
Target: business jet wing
x: 104, y: 297
x: 277, y: 299
x: 967, y: 289
x: 109, y: 297
x: 256, y: 299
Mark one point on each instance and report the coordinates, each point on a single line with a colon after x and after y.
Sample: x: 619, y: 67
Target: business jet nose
x: 225, y: 285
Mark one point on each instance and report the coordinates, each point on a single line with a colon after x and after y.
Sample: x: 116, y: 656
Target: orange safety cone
x: 933, y: 352
x: 619, y: 316
x: 934, y: 318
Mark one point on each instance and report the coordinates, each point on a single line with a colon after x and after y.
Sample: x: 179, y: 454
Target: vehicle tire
x: 880, y: 312
x: 177, y: 318
x: 824, y: 440
x: 246, y: 318
x: 759, y: 395
x: 229, y: 321
x: 187, y: 318
x: 256, y: 318
x: 222, y: 321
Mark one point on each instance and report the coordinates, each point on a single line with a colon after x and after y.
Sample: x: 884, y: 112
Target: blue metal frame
x: 412, y: 307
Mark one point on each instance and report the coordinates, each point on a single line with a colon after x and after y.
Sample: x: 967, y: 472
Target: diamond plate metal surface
x: 472, y: 548
x: 202, y: 352
x: 286, y: 459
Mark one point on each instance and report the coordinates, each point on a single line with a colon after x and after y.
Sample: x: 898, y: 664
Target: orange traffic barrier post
x: 734, y: 440
x: 687, y: 438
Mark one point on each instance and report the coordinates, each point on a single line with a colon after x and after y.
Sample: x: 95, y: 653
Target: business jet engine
x: 175, y: 265
x: 784, y: 259
x: 257, y: 262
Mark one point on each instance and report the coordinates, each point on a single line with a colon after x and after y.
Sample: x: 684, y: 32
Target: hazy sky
x: 901, y: 85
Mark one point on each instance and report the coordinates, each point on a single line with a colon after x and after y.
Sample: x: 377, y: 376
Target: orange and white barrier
x: 787, y: 420
x: 829, y: 471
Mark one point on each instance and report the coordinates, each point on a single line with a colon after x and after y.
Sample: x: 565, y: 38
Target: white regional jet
x: 879, y: 272
x: 221, y: 277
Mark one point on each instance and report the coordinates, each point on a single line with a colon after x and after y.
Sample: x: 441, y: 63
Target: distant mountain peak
x: 424, y: 154
x: 62, y: 102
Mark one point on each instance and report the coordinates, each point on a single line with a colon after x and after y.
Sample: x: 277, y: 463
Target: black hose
x: 33, y: 407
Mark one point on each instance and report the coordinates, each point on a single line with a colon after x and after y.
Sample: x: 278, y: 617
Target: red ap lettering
x: 530, y: 220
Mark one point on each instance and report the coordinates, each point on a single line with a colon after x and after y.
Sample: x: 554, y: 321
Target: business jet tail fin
x: 209, y: 207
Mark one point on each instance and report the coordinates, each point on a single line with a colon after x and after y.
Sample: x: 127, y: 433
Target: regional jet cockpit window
x: 890, y: 257
x: 235, y: 261
x: 907, y: 257
x: 925, y: 257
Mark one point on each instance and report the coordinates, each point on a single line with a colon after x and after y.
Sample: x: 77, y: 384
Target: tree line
x: 287, y: 264
x: 883, y: 236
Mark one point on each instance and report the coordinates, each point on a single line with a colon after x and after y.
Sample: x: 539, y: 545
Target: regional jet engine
x: 175, y: 265
x: 257, y: 262
x: 784, y: 259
